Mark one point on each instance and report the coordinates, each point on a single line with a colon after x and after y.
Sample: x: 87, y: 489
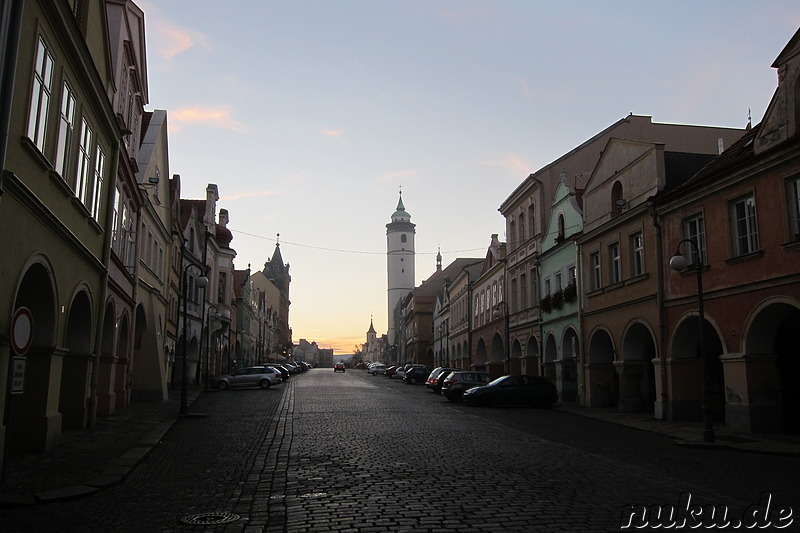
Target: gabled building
x: 491, y: 314
x: 558, y: 268
x: 155, y: 339
x: 737, y: 222
x: 276, y: 274
x: 621, y: 265
x: 459, y: 296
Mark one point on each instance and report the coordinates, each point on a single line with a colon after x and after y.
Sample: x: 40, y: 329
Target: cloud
x: 337, y: 134
x: 251, y: 194
x: 170, y: 39
x: 513, y: 163
x: 391, y: 176
x: 215, y: 117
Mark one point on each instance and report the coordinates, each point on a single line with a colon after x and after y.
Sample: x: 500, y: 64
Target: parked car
x: 377, y: 368
x: 417, y: 374
x: 285, y: 374
x: 455, y: 383
x: 536, y: 391
x: 253, y: 376
x: 398, y: 373
x: 435, y: 378
x: 390, y: 371
x: 339, y: 367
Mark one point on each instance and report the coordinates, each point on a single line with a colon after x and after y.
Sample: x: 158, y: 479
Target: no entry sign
x: 22, y: 331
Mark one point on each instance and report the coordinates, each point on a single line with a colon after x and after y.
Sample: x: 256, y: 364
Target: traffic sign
x: 22, y: 331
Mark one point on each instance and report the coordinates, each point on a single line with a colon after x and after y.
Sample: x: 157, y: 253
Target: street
x: 352, y: 452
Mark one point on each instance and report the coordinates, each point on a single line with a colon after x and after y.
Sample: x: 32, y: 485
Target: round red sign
x: 22, y: 331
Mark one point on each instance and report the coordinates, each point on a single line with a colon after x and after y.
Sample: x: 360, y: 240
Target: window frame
x: 747, y: 242
x: 596, y: 269
x: 637, y: 254
x: 41, y: 92
x: 793, y: 204
x: 614, y: 263
x: 694, y: 229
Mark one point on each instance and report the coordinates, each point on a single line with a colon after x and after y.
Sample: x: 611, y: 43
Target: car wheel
x: 222, y: 385
x: 264, y: 383
x: 413, y: 381
x: 456, y: 397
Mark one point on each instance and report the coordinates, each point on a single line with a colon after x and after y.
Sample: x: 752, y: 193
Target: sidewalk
x: 691, y: 433
x: 87, y: 461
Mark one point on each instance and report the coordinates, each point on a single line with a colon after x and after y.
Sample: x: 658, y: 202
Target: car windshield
x: 497, y: 382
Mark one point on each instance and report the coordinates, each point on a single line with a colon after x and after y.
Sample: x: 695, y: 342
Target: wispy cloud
x: 336, y: 134
x: 216, y: 117
x: 170, y: 39
x: 513, y: 163
x: 398, y: 175
x: 249, y: 194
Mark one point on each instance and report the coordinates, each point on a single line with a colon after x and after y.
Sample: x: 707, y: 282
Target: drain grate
x: 210, y: 518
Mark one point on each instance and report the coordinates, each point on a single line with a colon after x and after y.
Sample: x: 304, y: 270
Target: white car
x: 376, y: 368
x: 253, y: 376
x: 399, y: 373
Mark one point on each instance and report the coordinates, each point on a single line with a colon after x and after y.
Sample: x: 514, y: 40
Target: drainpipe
x: 11, y: 23
x: 662, y: 348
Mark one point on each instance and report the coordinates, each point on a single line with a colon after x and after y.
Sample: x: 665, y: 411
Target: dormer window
x: 560, y: 230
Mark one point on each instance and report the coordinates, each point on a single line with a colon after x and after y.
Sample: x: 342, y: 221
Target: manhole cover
x: 210, y: 518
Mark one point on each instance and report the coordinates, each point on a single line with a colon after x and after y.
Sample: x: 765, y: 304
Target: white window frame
x: 744, y: 225
x: 637, y: 253
x: 614, y: 263
x: 695, y: 230
x: 66, y: 126
x: 99, y: 173
x: 41, y: 90
x: 83, y: 186
x: 596, y: 268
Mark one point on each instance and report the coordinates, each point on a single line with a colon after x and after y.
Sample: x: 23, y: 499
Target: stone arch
x: 637, y: 381
x: 481, y: 357
x: 516, y: 358
x: 531, y: 362
x: 549, y: 356
x: 601, y: 381
x: 34, y: 424
x: 686, y: 370
x: 771, y: 335
x: 77, y: 364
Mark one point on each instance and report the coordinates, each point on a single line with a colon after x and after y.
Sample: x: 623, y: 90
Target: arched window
x: 560, y: 235
x: 618, y: 203
x: 403, y: 238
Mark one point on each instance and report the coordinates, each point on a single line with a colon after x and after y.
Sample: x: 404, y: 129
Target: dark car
x: 417, y: 374
x: 282, y: 369
x: 339, y: 367
x: 435, y: 378
x: 536, y: 391
x: 455, y: 383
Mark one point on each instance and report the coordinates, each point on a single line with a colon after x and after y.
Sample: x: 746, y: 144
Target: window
x: 221, y: 287
x: 40, y: 95
x: 547, y: 286
x: 523, y: 281
x: 571, y: 275
x: 557, y: 278
x: 637, y: 257
x: 532, y: 220
x: 614, y: 263
x: 793, y: 196
x: 745, y: 232
x: 512, y: 232
x: 84, y: 163
x: 594, y: 259
x: 521, y: 228
x: 694, y: 229
x: 560, y: 235
x: 99, y: 170
x: 617, y: 201
x: 403, y: 238
x: 65, y: 127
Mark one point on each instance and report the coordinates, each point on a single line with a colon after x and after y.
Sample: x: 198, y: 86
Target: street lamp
x: 507, y: 347
x: 679, y: 263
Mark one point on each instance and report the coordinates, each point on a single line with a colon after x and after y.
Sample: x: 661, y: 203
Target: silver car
x: 253, y: 376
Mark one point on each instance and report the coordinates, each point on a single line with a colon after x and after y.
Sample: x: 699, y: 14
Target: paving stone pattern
x: 348, y: 452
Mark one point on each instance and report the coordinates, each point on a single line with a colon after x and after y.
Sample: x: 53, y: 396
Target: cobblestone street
x: 351, y: 452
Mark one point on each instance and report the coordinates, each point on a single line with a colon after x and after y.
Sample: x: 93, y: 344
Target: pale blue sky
x: 309, y: 115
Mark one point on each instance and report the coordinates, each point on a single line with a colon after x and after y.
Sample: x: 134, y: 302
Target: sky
x: 312, y: 115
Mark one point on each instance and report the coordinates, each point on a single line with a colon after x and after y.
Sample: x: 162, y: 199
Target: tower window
x: 403, y: 238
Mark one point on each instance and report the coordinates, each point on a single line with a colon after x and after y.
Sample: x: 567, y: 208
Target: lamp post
x: 507, y: 347
x: 679, y: 263
x: 202, y: 282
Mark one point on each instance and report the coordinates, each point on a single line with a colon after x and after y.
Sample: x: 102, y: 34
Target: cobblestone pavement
x: 355, y: 453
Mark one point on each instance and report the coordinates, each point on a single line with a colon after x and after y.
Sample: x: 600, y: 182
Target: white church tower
x: 399, y: 259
